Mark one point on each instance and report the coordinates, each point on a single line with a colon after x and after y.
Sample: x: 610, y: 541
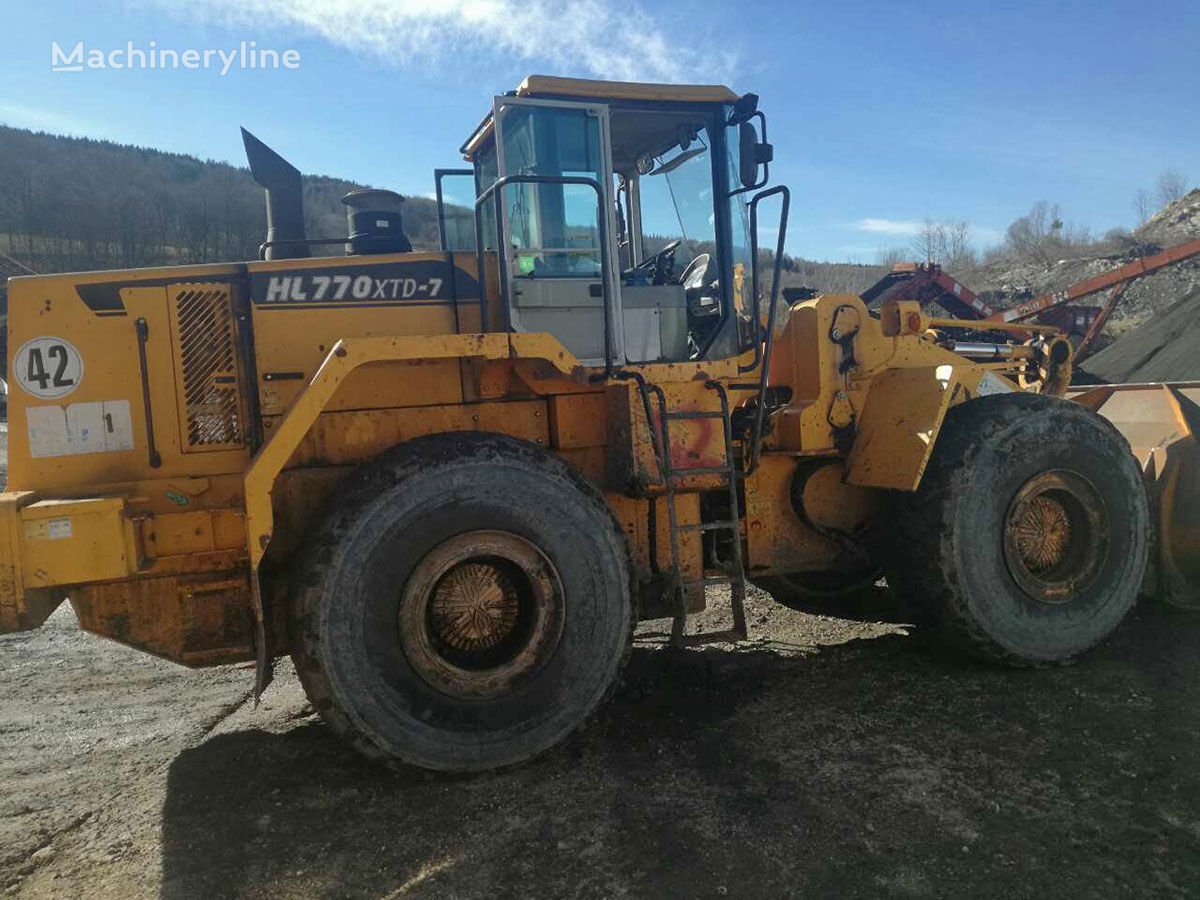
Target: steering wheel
x: 698, y: 273
x: 662, y: 263
x: 697, y: 280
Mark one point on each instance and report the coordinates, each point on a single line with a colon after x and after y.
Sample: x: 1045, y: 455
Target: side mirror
x: 752, y: 154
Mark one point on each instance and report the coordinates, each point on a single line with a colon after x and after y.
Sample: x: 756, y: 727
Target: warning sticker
x: 48, y: 529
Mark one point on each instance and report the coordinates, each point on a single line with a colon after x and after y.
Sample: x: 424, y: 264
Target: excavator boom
x: 1127, y: 272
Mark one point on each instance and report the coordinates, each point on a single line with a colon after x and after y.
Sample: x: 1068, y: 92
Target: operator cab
x: 622, y: 210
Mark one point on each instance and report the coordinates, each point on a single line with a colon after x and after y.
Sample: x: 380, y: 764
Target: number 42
x: 36, y: 369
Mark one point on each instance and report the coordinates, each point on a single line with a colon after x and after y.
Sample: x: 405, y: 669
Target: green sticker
x: 176, y: 497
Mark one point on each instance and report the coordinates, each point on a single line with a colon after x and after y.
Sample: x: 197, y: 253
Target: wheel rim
x: 481, y: 613
x: 1055, y: 536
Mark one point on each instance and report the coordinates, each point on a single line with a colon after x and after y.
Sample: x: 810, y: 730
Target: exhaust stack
x: 285, y: 200
x: 375, y: 222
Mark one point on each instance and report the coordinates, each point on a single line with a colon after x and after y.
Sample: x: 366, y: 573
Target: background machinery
x: 449, y: 483
x: 926, y: 283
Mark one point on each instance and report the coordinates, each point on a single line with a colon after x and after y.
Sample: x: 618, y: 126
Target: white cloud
x: 887, y: 226
x: 618, y: 39
x: 905, y: 228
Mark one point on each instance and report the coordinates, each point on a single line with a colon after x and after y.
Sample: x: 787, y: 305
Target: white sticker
x: 98, y: 427
x: 58, y: 528
x: 992, y: 384
x: 48, y: 529
x: 48, y: 367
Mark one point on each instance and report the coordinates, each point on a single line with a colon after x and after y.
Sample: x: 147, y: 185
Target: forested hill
x: 75, y: 204
x: 70, y: 204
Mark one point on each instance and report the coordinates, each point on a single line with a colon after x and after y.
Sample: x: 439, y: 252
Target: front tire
x: 464, y: 605
x: 1028, y: 537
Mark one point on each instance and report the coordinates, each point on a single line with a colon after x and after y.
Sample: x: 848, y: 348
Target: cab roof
x: 539, y: 85
x: 589, y: 88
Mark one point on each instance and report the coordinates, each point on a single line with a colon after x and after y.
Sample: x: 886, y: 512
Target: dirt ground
x: 825, y: 757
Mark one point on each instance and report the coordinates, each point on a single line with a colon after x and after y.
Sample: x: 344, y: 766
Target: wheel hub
x: 480, y: 614
x: 474, y: 607
x: 1055, y: 536
x: 1043, y: 533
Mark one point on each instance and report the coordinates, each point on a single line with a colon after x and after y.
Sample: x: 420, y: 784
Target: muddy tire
x: 464, y: 604
x: 1028, y: 538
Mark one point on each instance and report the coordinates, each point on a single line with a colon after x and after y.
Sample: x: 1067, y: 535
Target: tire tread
x: 925, y: 535
x: 416, y: 459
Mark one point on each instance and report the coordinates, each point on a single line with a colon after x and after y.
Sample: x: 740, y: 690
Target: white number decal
x: 48, y: 367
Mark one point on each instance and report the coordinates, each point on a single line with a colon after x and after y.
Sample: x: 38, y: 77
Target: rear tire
x: 1028, y: 537
x: 464, y: 605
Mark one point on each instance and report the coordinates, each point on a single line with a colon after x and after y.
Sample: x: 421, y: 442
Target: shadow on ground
x: 871, y: 769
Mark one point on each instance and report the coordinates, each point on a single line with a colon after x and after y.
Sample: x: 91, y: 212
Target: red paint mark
x: 695, y: 443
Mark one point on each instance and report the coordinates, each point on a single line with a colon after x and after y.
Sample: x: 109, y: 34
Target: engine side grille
x: 210, y: 415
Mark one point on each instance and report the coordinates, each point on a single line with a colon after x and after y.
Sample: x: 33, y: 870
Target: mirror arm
x: 744, y: 109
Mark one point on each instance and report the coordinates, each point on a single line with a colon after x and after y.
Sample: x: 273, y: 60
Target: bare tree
x: 1172, y: 184
x: 959, y: 254
x: 929, y: 243
x: 1037, y: 234
x: 889, y: 256
x: 1142, y: 206
x: 947, y: 244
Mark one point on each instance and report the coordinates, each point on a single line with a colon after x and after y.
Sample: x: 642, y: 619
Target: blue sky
x: 882, y: 114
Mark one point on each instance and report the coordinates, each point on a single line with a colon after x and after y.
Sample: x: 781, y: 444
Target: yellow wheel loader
x: 449, y: 483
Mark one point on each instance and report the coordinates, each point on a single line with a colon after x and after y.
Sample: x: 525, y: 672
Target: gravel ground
x: 825, y: 757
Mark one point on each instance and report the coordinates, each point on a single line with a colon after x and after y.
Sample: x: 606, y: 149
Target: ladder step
x: 695, y: 414
x: 709, y: 581
x: 713, y: 526
x: 734, y: 577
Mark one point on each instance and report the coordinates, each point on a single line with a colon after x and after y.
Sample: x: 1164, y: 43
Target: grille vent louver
x: 211, y: 416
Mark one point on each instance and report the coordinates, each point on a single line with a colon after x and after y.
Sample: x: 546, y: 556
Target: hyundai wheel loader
x: 448, y: 484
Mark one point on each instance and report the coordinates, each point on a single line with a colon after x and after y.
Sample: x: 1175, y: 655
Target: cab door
x: 557, y: 243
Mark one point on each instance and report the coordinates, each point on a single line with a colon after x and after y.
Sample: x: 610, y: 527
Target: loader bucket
x: 1162, y: 424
